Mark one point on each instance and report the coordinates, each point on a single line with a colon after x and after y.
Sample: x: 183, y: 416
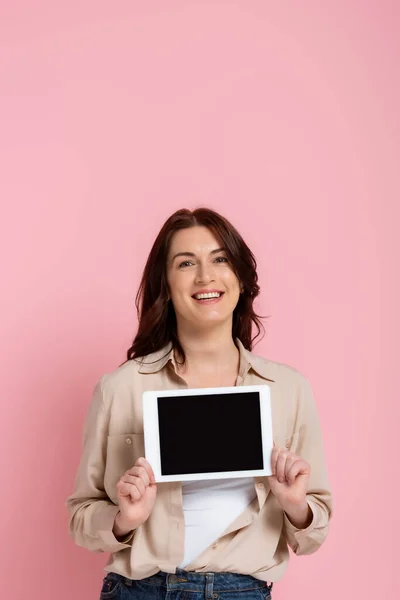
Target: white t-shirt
x: 209, y: 507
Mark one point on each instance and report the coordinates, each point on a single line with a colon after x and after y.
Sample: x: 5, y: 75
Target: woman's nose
x: 204, y: 274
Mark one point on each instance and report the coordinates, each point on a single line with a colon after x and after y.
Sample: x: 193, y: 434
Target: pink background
x: 284, y: 116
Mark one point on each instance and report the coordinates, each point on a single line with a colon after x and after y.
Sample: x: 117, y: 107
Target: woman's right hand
x: 137, y: 492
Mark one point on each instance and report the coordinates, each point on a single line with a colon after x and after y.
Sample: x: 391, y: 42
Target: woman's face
x: 201, y: 266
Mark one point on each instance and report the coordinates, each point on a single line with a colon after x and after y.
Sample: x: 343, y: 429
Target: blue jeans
x: 185, y: 585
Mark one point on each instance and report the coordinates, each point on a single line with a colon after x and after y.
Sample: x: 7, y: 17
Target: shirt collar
x: 154, y: 362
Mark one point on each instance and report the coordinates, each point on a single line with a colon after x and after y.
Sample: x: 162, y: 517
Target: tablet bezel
x: 151, y: 431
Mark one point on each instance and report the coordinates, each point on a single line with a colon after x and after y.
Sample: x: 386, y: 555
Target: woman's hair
x: 156, y: 315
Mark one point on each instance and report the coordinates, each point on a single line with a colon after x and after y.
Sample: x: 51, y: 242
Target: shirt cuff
x: 104, y: 526
x: 290, y: 528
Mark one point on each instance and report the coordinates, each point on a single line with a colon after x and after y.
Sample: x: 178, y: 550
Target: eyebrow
x: 193, y: 254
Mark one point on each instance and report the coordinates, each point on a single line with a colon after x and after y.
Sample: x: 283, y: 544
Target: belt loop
x: 209, y: 586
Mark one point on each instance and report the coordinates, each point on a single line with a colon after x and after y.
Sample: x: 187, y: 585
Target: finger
x: 127, y: 489
x: 274, y: 457
x: 139, y: 483
x: 142, y: 462
x: 299, y: 467
x: 280, y: 466
x: 291, y: 459
x: 139, y: 472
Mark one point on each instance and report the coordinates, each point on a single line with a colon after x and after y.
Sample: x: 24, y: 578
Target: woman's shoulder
x: 276, y: 371
x: 130, y: 373
x: 121, y: 377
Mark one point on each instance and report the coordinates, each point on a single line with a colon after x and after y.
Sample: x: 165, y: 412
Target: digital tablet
x: 208, y: 433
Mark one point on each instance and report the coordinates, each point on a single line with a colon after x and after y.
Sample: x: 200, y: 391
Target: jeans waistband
x: 206, y: 582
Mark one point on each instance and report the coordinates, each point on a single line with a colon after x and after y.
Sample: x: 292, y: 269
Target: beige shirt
x: 256, y: 543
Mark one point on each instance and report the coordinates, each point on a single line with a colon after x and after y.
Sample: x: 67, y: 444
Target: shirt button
x: 260, y: 486
x: 128, y: 440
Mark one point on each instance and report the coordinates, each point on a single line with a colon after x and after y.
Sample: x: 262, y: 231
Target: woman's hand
x: 137, y: 492
x: 289, y: 479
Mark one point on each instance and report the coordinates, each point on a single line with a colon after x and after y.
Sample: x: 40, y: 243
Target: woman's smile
x: 208, y: 296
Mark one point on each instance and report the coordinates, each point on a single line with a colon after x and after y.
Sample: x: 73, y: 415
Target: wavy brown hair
x: 156, y: 315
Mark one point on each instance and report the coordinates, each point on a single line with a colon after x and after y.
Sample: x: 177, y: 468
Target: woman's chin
x: 211, y: 318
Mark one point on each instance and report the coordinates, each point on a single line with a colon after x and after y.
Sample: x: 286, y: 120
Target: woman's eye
x: 219, y: 259
x: 185, y: 263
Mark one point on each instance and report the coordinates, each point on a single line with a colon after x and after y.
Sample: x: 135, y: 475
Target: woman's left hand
x: 289, y: 479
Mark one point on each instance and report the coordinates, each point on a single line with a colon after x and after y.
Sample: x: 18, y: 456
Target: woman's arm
x: 308, y: 445
x: 92, y: 514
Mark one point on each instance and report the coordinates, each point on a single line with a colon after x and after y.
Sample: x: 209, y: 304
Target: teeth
x: 203, y: 296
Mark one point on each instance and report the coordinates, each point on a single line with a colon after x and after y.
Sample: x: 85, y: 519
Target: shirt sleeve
x: 309, y: 446
x: 91, y: 512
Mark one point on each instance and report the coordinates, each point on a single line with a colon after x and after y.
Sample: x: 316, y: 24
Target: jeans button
x: 173, y: 579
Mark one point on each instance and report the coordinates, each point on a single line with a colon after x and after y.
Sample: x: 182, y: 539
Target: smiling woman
x: 206, y: 539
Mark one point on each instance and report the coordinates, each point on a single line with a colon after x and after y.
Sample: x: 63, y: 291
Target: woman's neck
x: 209, y: 352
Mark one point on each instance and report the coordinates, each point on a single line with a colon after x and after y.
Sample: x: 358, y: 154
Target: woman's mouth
x: 211, y: 298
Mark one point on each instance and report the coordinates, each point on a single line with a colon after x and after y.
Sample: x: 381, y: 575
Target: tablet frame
x: 152, y: 440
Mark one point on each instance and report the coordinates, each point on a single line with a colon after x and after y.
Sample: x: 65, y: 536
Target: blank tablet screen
x: 210, y: 433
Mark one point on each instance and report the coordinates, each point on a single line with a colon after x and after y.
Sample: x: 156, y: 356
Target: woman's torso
x: 160, y: 541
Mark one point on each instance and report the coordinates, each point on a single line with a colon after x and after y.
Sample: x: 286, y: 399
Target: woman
x: 211, y: 539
